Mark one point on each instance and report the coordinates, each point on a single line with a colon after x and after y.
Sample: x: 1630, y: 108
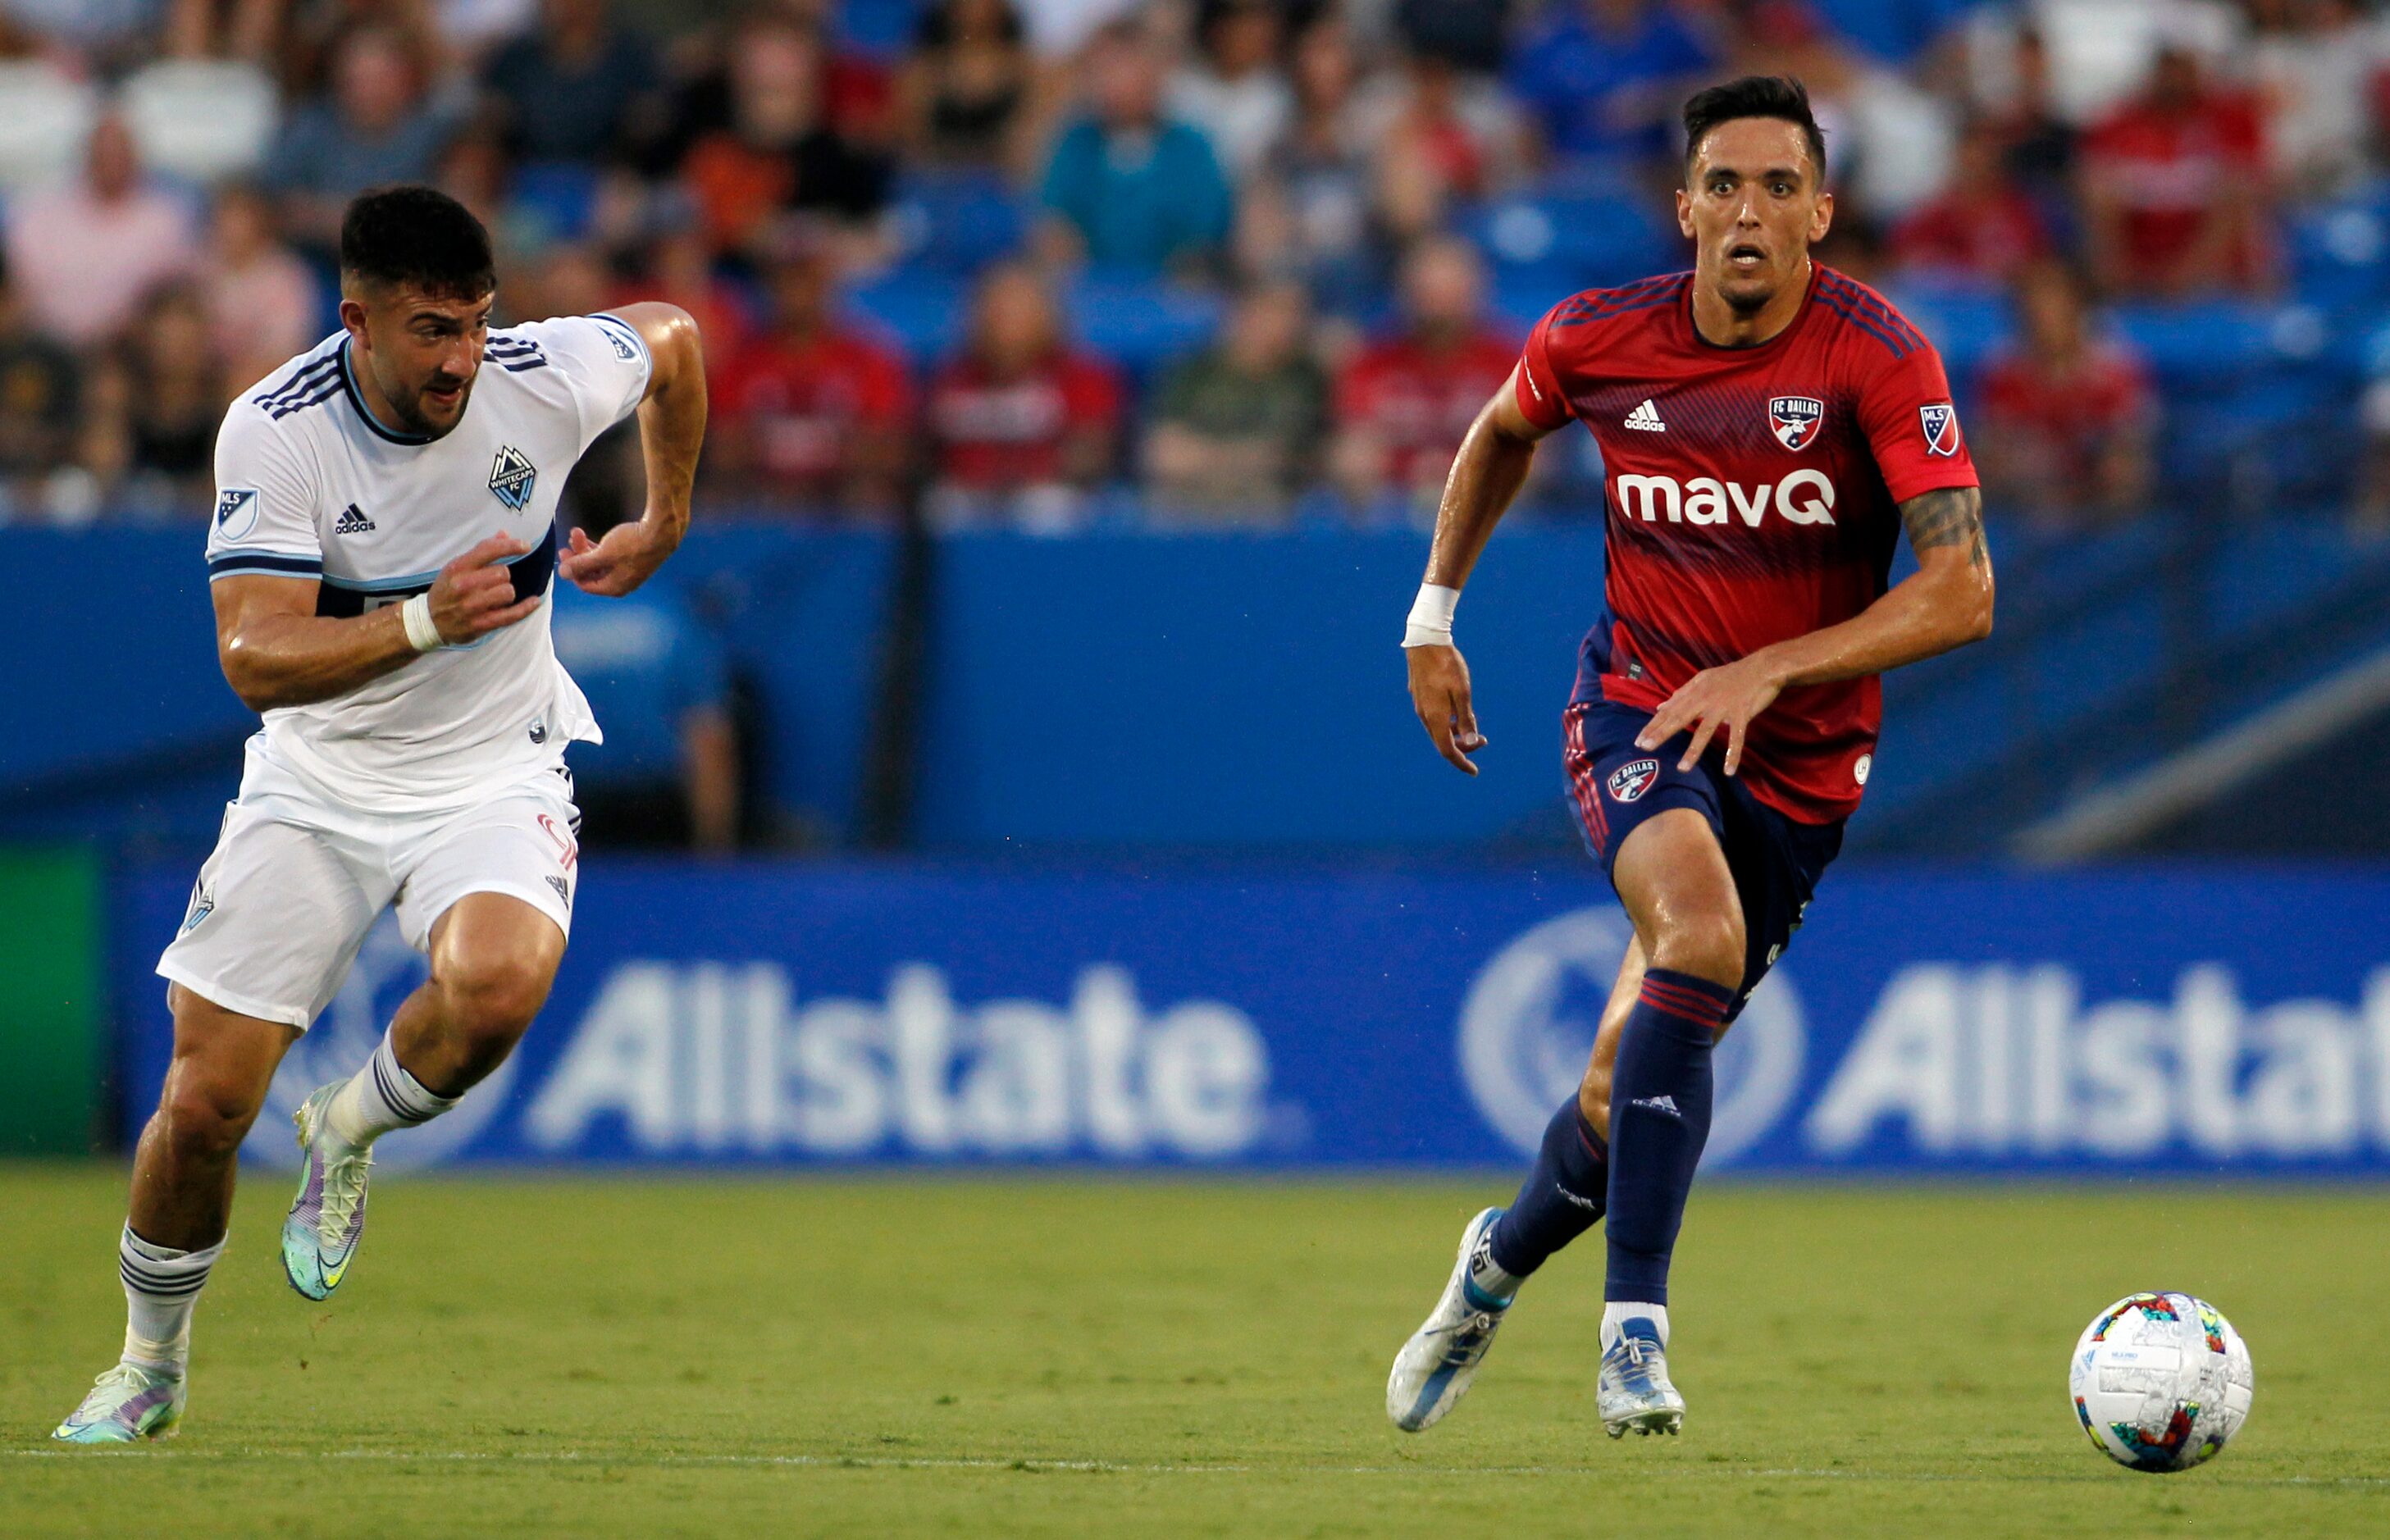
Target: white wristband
x: 1430, y: 618
x: 420, y: 630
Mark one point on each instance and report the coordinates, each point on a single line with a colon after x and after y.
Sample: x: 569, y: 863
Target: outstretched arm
x: 671, y: 429
x: 1487, y: 474
x: 1946, y: 603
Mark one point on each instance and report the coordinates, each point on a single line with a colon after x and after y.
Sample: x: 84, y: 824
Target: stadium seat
x: 924, y: 311
x: 1570, y: 235
x: 878, y: 29
x: 958, y: 221
x: 202, y: 118
x: 45, y: 118
x: 1136, y: 322
x: 561, y: 197
x: 2339, y: 254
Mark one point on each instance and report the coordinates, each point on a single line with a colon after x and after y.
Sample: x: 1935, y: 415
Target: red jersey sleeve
x: 1904, y: 410
x: 885, y: 399
x: 1090, y: 394
x: 1536, y: 383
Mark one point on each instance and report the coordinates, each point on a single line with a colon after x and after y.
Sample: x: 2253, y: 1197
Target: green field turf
x: 1093, y: 1358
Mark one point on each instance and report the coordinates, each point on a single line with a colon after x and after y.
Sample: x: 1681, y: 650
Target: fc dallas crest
x: 1794, y: 420
x: 1632, y: 780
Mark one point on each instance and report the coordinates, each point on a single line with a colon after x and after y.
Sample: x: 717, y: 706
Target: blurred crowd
x: 1049, y: 263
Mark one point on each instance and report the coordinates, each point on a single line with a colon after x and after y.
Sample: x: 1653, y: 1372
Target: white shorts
x: 297, y: 878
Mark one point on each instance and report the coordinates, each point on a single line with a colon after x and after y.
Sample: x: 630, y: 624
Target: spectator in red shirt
x: 2064, y: 429
x: 1403, y: 404
x: 1983, y: 226
x: 1024, y: 425
x: 2174, y: 188
x: 811, y: 415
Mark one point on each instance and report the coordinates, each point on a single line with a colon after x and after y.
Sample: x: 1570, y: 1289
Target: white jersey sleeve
x: 602, y: 358
x: 266, y: 501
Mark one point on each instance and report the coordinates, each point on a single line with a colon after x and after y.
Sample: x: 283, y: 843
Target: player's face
x: 422, y: 351
x: 1753, y: 205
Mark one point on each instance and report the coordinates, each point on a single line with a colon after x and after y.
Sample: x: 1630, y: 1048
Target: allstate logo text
x: 712, y: 1058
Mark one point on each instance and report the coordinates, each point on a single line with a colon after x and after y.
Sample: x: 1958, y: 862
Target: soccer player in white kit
x: 379, y: 558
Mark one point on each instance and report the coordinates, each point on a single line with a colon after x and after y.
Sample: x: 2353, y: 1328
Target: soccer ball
x: 2161, y: 1381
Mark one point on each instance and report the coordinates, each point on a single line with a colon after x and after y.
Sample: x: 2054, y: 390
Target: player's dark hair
x: 1752, y: 96
x: 418, y: 236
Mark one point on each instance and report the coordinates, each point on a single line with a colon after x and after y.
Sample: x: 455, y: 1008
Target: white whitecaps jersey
x: 309, y: 485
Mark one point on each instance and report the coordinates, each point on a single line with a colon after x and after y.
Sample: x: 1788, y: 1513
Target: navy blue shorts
x: 1776, y: 861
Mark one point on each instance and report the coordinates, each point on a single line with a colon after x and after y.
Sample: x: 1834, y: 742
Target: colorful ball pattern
x: 2161, y: 1381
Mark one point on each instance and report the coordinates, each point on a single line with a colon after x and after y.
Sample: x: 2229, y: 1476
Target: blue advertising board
x: 2165, y: 1023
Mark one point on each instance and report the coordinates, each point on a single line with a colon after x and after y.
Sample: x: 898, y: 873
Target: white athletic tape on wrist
x: 1431, y: 617
x: 420, y: 630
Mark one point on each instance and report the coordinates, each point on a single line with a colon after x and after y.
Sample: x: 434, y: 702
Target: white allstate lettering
x: 1755, y: 510
x: 1705, y: 501
x: 1819, y: 509
x: 1643, y: 494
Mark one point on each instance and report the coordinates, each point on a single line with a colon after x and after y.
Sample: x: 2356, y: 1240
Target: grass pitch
x: 1090, y: 1358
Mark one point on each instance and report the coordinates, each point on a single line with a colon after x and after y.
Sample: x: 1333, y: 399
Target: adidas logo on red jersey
x: 1646, y: 417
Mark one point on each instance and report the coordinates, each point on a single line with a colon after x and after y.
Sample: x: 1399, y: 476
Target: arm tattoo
x: 1951, y: 517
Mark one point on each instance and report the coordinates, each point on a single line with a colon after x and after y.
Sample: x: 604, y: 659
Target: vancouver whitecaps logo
x: 511, y: 475
x: 1529, y: 1021
x: 343, y: 1037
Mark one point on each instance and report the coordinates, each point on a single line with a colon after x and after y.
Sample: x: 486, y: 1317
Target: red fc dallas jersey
x: 1753, y: 496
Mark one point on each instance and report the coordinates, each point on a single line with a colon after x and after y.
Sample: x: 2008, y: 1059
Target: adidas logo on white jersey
x: 353, y: 521
x: 1646, y: 417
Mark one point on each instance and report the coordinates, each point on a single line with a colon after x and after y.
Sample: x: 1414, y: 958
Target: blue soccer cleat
x: 319, y: 1238
x: 1433, y: 1369
x: 129, y: 1403
x: 1634, y: 1390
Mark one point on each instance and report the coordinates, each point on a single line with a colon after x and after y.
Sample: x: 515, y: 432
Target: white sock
x: 1486, y: 1275
x: 379, y: 1097
x: 1617, y: 1312
x: 161, y: 1287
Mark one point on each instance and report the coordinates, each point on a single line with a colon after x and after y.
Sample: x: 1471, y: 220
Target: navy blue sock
x: 1659, y: 1120
x: 1561, y: 1198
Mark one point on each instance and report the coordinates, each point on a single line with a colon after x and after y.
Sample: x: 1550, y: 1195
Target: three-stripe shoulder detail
x: 313, y: 382
x: 514, y: 355
x: 1601, y: 304
x: 1868, y: 310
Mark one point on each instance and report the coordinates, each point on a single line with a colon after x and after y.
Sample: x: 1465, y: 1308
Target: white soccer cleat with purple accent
x: 1433, y: 1369
x: 319, y: 1238
x: 129, y: 1403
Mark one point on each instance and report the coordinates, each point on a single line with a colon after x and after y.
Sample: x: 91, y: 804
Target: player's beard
x: 419, y: 419
x: 1749, y: 293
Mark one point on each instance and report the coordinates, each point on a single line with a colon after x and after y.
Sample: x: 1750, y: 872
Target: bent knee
x: 494, y: 1000
x: 204, y: 1122
x: 1710, y: 948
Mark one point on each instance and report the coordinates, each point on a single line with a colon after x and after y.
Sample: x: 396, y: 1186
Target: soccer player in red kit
x: 1766, y: 426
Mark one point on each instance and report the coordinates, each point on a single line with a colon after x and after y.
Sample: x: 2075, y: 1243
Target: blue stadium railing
x: 1129, y: 690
